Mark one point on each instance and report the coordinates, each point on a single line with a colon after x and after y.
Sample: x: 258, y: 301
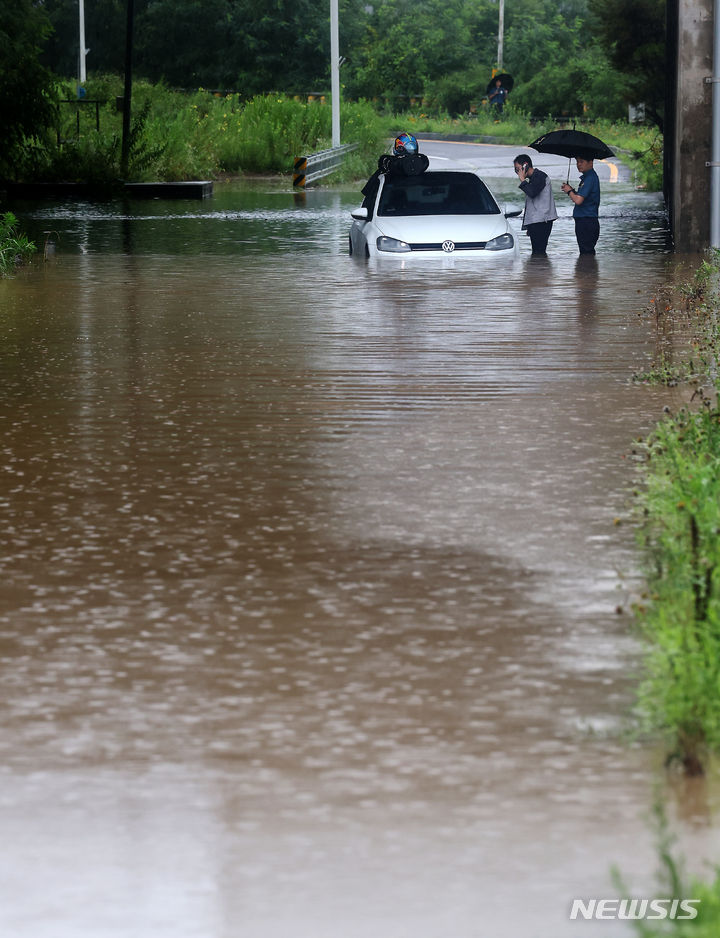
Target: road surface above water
x: 313, y: 615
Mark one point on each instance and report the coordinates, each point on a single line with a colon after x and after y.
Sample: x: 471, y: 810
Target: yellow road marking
x: 613, y: 170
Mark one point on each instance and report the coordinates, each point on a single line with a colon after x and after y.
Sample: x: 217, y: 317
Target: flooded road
x: 313, y: 616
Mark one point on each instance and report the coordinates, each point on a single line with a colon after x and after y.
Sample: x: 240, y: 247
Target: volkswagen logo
x: 448, y: 246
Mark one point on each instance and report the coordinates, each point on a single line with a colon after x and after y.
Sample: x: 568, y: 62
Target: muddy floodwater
x: 314, y: 603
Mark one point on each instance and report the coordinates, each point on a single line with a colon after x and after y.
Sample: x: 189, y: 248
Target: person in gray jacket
x: 540, y: 212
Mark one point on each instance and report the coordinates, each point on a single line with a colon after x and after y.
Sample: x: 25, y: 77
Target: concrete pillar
x: 689, y: 129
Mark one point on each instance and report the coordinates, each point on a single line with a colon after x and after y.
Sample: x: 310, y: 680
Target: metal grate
x: 459, y: 246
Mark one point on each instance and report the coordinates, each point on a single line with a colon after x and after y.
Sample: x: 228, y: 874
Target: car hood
x: 438, y: 228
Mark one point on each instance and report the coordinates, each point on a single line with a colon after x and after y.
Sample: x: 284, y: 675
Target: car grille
x: 459, y: 246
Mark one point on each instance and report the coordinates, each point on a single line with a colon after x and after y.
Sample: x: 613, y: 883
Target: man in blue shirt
x: 497, y: 95
x: 586, y: 199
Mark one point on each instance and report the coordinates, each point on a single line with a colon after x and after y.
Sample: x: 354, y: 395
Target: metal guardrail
x: 308, y: 168
x: 83, y: 102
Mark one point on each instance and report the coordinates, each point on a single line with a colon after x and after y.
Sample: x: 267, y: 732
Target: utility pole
x: 83, y: 50
x: 690, y: 26
x: 501, y: 32
x: 335, y: 73
x: 127, y: 97
x: 715, y: 151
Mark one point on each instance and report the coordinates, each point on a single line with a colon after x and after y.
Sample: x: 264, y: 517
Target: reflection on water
x: 309, y: 619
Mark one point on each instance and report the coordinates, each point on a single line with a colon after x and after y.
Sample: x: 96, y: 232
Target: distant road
x: 496, y: 160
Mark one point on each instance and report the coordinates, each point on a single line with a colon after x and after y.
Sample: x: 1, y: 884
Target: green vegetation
x: 442, y: 51
x: 203, y: 134
x: 631, y: 33
x: 26, y: 87
x: 513, y: 126
x: 679, y: 619
x: 639, y: 146
x: 664, y: 372
x: 262, y: 63
x: 15, y: 248
x: 200, y: 135
x: 674, y: 884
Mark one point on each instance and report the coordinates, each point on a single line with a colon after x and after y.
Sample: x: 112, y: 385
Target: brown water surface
x: 310, y: 579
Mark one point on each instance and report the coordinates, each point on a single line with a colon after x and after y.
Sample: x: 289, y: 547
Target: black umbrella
x: 506, y: 81
x: 572, y: 143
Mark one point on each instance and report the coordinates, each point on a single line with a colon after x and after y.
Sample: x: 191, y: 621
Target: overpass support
x: 688, y: 130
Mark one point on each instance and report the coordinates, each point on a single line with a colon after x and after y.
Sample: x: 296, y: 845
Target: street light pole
x: 335, y: 73
x: 83, y: 50
x: 501, y: 32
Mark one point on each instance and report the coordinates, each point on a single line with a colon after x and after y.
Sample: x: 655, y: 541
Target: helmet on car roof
x: 405, y: 144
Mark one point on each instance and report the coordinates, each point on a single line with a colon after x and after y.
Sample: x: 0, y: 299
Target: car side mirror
x: 514, y: 213
x: 359, y: 214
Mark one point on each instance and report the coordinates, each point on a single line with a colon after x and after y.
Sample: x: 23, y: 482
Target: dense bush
x: 202, y: 135
x: 584, y: 87
x: 395, y: 48
x: 680, y: 511
x: 178, y: 136
x: 15, y: 248
x: 459, y: 92
x: 26, y: 87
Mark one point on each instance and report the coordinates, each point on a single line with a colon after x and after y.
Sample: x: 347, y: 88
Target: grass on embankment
x: 203, y: 135
x: 679, y: 505
x: 678, y: 618
x: 15, y: 248
x: 199, y: 135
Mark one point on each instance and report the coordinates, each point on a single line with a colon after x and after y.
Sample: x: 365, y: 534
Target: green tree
x: 585, y: 85
x: 26, y: 87
x: 280, y: 45
x: 185, y: 42
x: 104, y: 35
x: 408, y: 44
x: 539, y: 36
x: 632, y: 33
x: 441, y: 49
x: 458, y: 91
x: 245, y: 45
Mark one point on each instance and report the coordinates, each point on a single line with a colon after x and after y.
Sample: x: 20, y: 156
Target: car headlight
x: 503, y: 242
x: 392, y: 244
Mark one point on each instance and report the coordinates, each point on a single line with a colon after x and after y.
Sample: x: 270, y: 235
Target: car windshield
x: 436, y: 194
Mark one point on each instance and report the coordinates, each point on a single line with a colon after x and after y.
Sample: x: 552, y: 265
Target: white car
x: 436, y: 214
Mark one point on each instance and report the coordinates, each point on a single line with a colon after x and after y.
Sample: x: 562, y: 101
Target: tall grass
x: 513, y: 126
x: 679, y: 508
x: 200, y: 135
x: 680, y: 695
x: 205, y: 135
x: 15, y: 248
x: 639, y: 146
x: 673, y: 883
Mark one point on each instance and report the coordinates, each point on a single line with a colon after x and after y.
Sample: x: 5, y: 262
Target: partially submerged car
x: 435, y: 214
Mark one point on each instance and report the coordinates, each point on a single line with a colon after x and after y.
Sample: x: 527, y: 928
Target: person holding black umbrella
x: 497, y: 95
x: 586, y: 200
